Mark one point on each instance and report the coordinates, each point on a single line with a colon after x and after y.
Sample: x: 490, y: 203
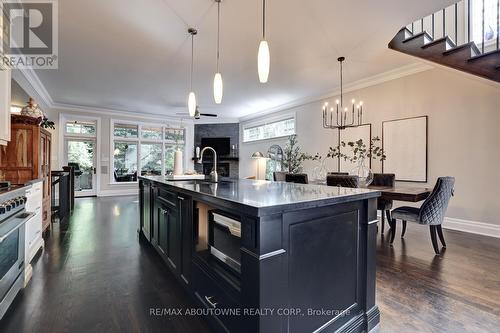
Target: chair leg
x: 441, y: 236
x: 434, y: 238
x: 393, y: 230
x: 388, y: 214
x: 383, y: 222
x: 404, y: 229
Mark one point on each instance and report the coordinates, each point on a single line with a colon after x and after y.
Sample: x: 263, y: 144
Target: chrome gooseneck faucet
x: 213, y: 174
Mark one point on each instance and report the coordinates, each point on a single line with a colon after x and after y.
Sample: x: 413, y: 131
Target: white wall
x: 464, y: 134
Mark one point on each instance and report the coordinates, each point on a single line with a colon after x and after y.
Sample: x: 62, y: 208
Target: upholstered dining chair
x: 384, y: 205
x: 279, y: 176
x: 431, y: 212
x: 299, y: 178
x: 342, y: 180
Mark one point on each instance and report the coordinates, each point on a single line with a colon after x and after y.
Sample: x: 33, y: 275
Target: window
x: 126, y: 131
x: 270, y: 130
x: 490, y: 20
x: 151, y: 159
x: 148, y: 149
x: 81, y: 127
x: 152, y: 133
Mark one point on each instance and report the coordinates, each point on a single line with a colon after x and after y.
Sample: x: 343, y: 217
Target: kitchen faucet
x: 213, y: 174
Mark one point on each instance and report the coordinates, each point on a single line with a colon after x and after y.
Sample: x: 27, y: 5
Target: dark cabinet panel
x: 186, y: 225
x: 145, y: 209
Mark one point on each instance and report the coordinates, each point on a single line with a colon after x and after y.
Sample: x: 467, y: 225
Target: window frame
x: 268, y: 121
x: 139, y: 141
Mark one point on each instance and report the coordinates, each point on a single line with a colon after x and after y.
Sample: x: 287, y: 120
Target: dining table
x: 396, y: 193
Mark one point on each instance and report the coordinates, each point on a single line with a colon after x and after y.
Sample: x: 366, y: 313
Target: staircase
x: 447, y: 39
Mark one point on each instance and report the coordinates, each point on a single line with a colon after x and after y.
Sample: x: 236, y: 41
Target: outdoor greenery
x: 293, y: 157
x: 359, y: 151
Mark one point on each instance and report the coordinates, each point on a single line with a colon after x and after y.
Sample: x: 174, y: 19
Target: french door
x: 81, y: 154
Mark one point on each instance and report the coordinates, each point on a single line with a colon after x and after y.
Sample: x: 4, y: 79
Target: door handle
x: 95, y: 171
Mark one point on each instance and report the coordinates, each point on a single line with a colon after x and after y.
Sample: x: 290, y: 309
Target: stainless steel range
x: 13, y: 217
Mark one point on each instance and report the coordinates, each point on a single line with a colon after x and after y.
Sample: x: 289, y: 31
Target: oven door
x: 12, y: 234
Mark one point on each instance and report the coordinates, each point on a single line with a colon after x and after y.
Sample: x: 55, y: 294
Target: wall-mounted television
x: 221, y: 145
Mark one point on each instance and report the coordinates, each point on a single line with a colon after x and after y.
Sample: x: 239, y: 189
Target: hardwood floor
x: 94, y: 276
x: 458, y: 291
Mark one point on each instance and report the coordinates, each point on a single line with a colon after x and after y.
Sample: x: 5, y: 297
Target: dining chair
x: 298, y: 178
x: 431, y: 212
x: 342, y: 180
x: 384, y: 205
x: 279, y: 176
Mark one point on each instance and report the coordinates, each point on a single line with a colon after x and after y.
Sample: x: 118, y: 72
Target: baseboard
x: 479, y: 228
x: 473, y: 227
x: 113, y: 193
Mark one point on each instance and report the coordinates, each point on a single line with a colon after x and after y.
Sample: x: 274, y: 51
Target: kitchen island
x: 267, y: 257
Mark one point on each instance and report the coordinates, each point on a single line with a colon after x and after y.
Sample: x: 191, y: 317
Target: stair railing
x: 460, y: 22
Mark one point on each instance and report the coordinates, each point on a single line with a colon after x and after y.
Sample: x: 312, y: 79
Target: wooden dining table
x: 396, y: 193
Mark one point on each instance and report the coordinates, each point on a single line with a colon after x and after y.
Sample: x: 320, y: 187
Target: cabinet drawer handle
x: 209, y: 300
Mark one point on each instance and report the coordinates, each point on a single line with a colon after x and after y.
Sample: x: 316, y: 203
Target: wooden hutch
x: 27, y: 157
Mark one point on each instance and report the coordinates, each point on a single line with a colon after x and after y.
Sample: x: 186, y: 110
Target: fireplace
x: 223, y: 169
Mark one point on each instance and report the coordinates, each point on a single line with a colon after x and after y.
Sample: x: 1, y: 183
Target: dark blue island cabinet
x: 267, y: 257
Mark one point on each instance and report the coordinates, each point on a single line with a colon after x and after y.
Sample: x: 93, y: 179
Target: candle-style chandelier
x: 339, y: 120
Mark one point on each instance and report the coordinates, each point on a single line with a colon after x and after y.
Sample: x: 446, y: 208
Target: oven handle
x: 234, y: 227
x: 26, y: 219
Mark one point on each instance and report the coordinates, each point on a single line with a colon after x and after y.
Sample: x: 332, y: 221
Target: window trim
x: 139, y: 140
x: 267, y: 121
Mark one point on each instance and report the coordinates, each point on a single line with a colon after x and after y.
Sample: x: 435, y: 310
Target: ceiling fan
x: 197, y: 114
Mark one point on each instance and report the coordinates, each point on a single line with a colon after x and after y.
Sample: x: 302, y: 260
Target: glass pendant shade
x: 192, y: 104
x: 264, y: 61
x: 218, y: 88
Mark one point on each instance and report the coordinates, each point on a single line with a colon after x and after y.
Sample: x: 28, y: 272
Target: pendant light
x: 192, y: 96
x: 218, y: 85
x: 264, y: 57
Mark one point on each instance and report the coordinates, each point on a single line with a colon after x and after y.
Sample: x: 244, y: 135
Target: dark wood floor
x: 94, y: 276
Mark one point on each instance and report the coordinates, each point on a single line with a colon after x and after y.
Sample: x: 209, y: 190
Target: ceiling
x: 134, y: 55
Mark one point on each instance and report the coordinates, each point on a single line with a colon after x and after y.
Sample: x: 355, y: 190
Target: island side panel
x: 322, y: 259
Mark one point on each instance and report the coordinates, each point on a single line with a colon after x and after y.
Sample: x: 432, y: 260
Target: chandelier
x: 337, y: 118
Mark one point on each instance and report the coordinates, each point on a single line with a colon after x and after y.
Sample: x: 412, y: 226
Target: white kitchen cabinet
x: 33, y: 230
x: 5, y: 97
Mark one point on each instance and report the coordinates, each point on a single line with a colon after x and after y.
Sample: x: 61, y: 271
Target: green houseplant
x: 293, y: 157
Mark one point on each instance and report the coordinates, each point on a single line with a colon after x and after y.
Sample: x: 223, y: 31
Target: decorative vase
x: 320, y: 172
x: 32, y: 110
x: 363, y: 172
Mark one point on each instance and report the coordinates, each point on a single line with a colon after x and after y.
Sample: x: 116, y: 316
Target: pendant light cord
x: 218, y: 35
x: 192, y: 60
x: 263, y: 19
x: 341, y: 86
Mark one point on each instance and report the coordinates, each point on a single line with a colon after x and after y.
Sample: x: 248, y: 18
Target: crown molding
x: 72, y: 108
x: 397, y: 73
x: 34, y: 81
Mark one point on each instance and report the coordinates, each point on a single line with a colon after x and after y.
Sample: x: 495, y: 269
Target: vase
x: 320, y: 172
x: 364, y: 173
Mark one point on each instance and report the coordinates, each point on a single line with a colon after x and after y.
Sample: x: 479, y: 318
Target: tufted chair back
x: 434, y: 207
x: 384, y: 179
x: 342, y: 180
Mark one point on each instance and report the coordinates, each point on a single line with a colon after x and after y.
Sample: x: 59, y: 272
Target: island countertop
x: 265, y: 197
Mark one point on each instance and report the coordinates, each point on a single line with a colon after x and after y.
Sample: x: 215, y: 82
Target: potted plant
x: 293, y: 157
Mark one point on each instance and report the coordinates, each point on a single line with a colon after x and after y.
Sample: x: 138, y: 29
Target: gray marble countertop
x: 261, y: 194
